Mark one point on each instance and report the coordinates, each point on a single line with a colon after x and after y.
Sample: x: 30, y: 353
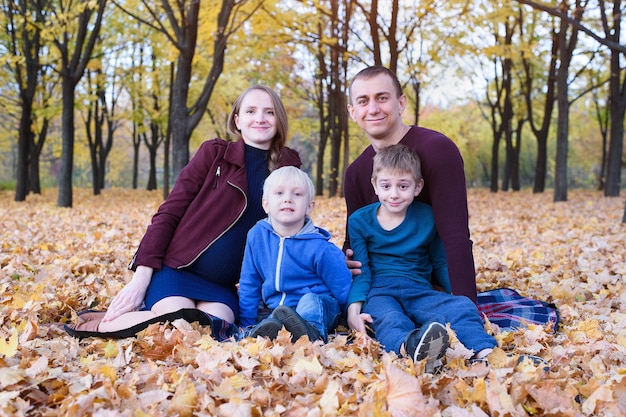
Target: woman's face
x: 256, y: 119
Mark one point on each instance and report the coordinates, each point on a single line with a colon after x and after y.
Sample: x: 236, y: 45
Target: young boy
x: 401, y: 253
x: 291, y: 265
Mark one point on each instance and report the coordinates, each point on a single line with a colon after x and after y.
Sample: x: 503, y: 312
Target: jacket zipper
x: 245, y: 197
x: 217, y: 176
x: 279, y: 262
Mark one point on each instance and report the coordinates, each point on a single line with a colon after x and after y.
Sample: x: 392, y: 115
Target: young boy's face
x: 396, y: 190
x: 288, y: 204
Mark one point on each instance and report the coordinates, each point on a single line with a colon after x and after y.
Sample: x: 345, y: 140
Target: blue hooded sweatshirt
x: 280, y: 270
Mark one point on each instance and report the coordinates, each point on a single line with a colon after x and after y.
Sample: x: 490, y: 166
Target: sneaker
x: 268, y: 327
x: 295, y: 324
x: 537, y: 361
x: 429, y: 342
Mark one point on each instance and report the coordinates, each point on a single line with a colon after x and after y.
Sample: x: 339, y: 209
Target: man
x: 376, y: 104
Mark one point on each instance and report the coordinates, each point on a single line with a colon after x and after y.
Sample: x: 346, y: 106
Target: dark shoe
x: 295, y: 324
x: 429, y: 342
x: 267, y: 328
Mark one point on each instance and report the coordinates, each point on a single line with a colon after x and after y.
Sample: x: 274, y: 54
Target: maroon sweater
x: 209, y: 196
x: 444, y: 189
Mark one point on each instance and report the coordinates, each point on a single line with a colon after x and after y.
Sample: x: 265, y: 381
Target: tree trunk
x: 541, y: 170
x: 168, y: 137
x: 566, y: 48
x: 515, y: 153
x: 136, y: 143
x: 494, y: 165
x: 616, y: 138
x: 562, y: 131
x: 152, y: 179
x: 23, y: 151
x: 24, y: 42
x: 67, y: 145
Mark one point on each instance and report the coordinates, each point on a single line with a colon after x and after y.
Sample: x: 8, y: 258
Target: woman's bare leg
x: 216, y: 309
x: 164, y: 306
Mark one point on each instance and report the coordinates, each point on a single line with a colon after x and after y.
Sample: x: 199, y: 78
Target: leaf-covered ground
x: 54, y: 262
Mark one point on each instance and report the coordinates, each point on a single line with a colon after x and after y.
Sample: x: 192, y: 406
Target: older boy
x: 399, y: 248
x: 376, y: 105
x: 291, y: 265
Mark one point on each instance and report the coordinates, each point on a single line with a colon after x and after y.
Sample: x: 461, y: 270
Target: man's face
x: 376, y: 107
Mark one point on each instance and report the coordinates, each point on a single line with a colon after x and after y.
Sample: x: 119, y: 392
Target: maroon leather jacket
x: 209, y: 196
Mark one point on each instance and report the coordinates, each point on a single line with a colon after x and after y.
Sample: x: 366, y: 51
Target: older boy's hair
x: 289, y: 174
x: 398, y: 158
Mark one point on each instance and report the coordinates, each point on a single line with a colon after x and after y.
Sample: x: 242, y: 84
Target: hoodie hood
x: 308, y: 231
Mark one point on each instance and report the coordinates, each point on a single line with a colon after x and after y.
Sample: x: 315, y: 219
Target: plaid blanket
x: 508, y: 309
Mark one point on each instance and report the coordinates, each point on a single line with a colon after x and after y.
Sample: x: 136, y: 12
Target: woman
x: 188, y: 262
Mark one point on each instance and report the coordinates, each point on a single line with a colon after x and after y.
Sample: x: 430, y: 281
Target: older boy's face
x: 396, y: 190
x: 287, y: 204
x: 376, y: 107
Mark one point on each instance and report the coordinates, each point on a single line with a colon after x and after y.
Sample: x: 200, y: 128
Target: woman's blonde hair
x: 282, y: 124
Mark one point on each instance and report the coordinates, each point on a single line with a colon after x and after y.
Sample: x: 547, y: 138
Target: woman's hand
x: 356, y: 319
x: 132, y: 295
x: 353, y: 266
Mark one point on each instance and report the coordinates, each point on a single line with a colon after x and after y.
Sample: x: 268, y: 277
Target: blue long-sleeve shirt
x: 413, y: 249
x: 280, y: 270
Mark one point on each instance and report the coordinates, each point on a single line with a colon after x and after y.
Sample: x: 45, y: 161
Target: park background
x: 121, y: 93
x: 85, y: 125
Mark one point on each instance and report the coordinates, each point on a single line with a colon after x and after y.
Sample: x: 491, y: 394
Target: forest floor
x: 55, y: 262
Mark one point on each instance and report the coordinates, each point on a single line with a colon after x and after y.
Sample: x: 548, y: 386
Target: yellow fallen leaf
x: 591, y: 329
x: 108, y: 372
x: 184, y: 400
x: 313, y: 366
x: 111, y: 349
x: 9, y: 348
x: 329, y: 401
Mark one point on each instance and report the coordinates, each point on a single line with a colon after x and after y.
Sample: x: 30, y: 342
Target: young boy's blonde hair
x: 398, y: 158
x: 290, y: 175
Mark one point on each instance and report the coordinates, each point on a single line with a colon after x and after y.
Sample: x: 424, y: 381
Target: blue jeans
x: 399, y: 305
x: 320, y: 310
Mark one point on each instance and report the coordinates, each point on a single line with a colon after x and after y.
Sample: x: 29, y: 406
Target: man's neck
x: 392, y: 139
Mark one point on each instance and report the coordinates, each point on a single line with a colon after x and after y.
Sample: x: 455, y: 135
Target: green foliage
x: 10, y: 185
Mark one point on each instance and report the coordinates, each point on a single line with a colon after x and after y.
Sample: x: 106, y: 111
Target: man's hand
x: 353, y: 266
